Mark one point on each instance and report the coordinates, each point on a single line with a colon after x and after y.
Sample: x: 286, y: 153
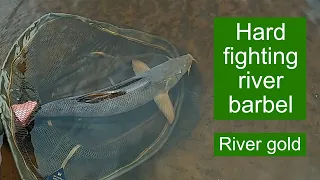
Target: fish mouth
x: 189, y: 68
x: 186, y: 66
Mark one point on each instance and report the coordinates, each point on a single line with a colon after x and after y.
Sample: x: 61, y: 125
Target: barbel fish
x: 124, y: 96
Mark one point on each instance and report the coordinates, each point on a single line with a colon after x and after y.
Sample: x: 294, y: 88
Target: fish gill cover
x: 89, y: 100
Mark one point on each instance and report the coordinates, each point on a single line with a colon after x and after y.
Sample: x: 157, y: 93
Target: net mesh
x: 312, y: 11
x: 54, y: 59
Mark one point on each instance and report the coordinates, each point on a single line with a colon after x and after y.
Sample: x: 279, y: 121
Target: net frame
x: 17, y: 51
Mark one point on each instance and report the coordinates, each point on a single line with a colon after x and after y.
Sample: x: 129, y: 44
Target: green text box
x: 289, y: 100
x: 259, y: 144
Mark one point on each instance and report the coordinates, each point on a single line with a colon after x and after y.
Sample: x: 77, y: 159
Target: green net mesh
x: 61, y: 56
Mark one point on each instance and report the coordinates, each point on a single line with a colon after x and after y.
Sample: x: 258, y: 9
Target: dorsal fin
x: 98, y: 97
x: 122, y: 84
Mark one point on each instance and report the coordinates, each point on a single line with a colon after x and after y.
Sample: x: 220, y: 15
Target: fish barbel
x: 124, y: 96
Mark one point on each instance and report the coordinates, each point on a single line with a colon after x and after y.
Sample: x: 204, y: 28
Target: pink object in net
x: 23, y: 111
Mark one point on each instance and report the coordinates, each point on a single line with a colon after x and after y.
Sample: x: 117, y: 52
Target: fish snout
x: 189, y: 64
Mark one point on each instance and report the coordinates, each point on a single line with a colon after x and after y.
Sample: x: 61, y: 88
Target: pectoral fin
x: 162, y: 100
x: 139, y: 67
x: 164, y: 103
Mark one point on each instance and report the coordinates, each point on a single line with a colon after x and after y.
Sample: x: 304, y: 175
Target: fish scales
x: 143, y: 89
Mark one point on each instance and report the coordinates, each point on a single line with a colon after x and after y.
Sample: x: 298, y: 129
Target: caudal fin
x: 162, y: 100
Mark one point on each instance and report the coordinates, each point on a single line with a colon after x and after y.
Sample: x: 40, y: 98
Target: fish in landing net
x: 122, y: 97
